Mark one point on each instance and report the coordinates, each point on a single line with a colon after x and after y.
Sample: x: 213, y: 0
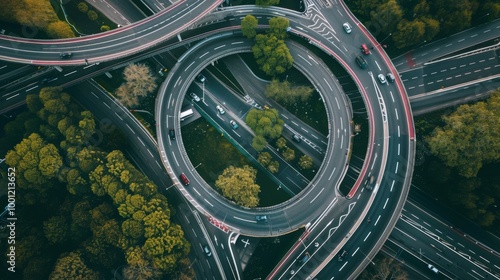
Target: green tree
x: 409, y: 33
x: 92, y: 15
x: 273, y: 166
x: 34, y: 170
x: 470, y: 136
x: 259, y: 143
x: 387, y: 15
x: 281, y: 143
x: 105, y: 28
x: 454, y: 15
x: 266, y: 2
x: 248, y: 26
x: 288, y: 154
x: 265, y: 123
x: 264, y: 158
x: 305, y: 162
x: 59, y: 29
x: 278, y: 27
x: 238, y: 184
x: 431, y: 27
x: 56, y: 229
x: 271, y: 54
x: 286, y: 94
x: 83, y: 7
x: 71, y: 266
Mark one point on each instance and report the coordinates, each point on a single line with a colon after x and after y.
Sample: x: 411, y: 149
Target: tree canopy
x: 139, y: 82
x: 35, y: 14
x: 287, y: 94
x: 265, y: 124
x: 271, y: 54
x: 249, y: 26
x: 266, y: 2
x: 470, y: 136
x: 93, y: 199
x: 238, y: 184
x: 278, y: 27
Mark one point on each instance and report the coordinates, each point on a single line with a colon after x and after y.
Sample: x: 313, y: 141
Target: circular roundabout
x: 321, y: 193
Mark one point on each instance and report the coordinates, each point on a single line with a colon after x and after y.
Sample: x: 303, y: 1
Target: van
x: 184, y: 179
x: 361, y: 62
x: 365, y: 49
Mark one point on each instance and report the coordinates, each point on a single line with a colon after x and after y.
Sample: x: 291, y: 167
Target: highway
x: 394, y: 115
x: 280, y: 221
x: 108, y: 45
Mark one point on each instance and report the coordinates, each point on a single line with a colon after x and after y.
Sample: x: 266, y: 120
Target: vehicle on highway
x: 365, y: 49
x: 207, y: 251
x: 343, y: 255
x: 390, y: 77
x: 171, y: 133
x: 233, y: 124
x: 186, y: 114
x: 369, y: 183
x: 296, y: 138
x: 361, y: 62
x: 201, y: 78
x: 382, y: 79
x: 194, y: 96
x: 304, y: 258
x: 347, y: 28
x: 184, y: 179
x: 65, y: 55
x: 261, y: 218
x: 162, y: 71
x: 433, y: 268
x: 221, y: 111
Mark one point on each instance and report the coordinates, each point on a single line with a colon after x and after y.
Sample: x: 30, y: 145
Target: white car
x: 433, y: 268
x: 347, y: 28
x: 382, y: 79
x: 194, y: 96
x: 221, y: 111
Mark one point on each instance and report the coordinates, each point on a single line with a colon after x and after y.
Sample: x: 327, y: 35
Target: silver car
x: 194, y: 96
x: 382, y: 79
x: 347, y: 28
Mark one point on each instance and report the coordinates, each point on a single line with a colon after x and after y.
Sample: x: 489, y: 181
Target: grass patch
x: 205, y: 145
x: 311, y: 112
x: 222, y: 73
x: 268, y: 253
x: 81, y: 20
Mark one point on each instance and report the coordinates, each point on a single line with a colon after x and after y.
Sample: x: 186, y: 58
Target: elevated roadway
x: 109, y: 45
x: 283, y: 218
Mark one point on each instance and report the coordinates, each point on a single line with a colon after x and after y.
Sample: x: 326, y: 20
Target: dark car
x: 184, y: 179
x: 201, y: 78
x: 65, y: 55
x: 361, y: 62
x: 390, y: 77
x: 171, y: 133
x: 296, y: 138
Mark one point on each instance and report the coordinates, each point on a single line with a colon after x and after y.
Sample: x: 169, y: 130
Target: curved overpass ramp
x: 108, y: 45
